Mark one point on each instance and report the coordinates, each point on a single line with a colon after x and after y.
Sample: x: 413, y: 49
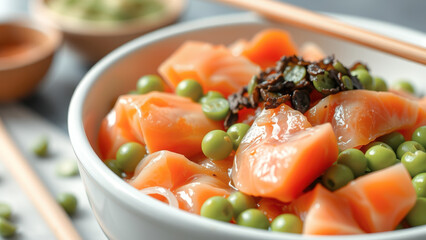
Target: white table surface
x: 27, y: 219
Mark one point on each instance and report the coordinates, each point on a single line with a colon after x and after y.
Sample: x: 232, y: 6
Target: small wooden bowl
x: 26, y: 51
x: 92, y: 39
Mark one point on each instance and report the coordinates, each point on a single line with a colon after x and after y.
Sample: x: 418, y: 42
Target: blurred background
x: 52, y: 97
x: 47, y: 107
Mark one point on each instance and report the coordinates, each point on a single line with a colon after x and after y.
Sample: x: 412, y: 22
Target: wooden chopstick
x: 52, y: 213
x: 286, y: 13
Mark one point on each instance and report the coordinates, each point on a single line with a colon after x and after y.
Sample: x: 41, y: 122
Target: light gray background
x: 52, y: 98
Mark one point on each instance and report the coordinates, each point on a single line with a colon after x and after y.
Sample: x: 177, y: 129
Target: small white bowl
x: 123, y: 212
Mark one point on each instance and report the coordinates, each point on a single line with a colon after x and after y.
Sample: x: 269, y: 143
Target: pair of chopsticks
x: 303, y: 18
x: 53, y: 214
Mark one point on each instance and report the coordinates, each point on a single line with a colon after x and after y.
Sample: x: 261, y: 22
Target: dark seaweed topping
x: 300, y: 100
x: 296, y: 81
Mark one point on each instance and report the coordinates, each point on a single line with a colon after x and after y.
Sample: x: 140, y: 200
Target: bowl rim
x: 55, y: 40
x: 130, y: 196
x: 173, y: 9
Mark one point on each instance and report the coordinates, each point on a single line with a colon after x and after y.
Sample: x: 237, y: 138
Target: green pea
x: 190, y: 88
x: 253, y: 218
x: 287, y: 223
x: 129, y: 155
x: 337, y: 176
x: 339, y: 67
x: 112, y: 165
x: 393, y: 140
x: 375, y: 143
x: 379, y: 84
x: 149, y: 83
x: 214, y: 94
x: 296, y: 74
x: 216, y: 145
x: 40, y: 148
x: 347, y: 82
x: 5, y: 211
x: 7, y: 229
x: 210, y: 95
x: 237, y: 132
x: 415, y: 163
x: 403, y: 85
x: 67, y: 168
x: 68, y: 202
x: 359, y: 66
x: 218, y: 208
x: 241, y: 202
x: 379, y: 157
x: 408, y: 146
x: 355, y: 160
x: 419, y: 135
x: 323, y: 82
x: 416, y: 216
x: 252, y: 84
x: 216, y: 109
x: 364, y: 77
x: 419, y: 183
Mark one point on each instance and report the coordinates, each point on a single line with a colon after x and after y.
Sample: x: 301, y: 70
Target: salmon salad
x: 266, y: 134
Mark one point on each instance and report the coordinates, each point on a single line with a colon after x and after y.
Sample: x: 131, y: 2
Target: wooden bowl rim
x: 46, y: 49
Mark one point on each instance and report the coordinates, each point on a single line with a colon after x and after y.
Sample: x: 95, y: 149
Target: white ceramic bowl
x: 123, y: 212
